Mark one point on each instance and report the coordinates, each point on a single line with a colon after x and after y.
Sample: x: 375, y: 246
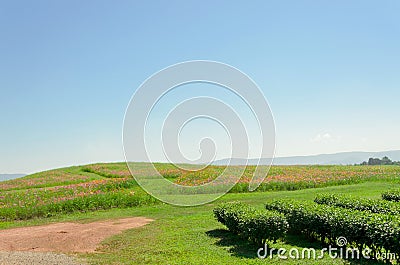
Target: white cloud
x: 324, y: 137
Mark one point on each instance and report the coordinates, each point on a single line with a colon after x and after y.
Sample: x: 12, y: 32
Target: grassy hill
x: 179, y: 235
x: 103, y: 186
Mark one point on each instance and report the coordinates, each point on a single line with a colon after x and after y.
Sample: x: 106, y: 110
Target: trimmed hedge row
x: 254, y: 225
x: 360, y: 204
x: 379, y: 232
x: 391, y: 195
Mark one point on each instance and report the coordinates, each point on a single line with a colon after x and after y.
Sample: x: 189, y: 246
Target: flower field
x: 298, y: 177
x: 102, y: 186
x: 67, y: 190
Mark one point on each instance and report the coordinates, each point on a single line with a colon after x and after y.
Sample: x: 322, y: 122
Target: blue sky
x: 329, y: 69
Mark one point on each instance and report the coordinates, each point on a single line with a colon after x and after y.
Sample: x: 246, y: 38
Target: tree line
x: 376, y: 161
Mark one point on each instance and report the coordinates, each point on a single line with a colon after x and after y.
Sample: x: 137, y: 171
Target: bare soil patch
x: 65, y: 237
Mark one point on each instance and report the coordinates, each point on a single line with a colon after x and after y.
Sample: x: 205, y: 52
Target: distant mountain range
x: 10, y: 176
x: 344, y: 158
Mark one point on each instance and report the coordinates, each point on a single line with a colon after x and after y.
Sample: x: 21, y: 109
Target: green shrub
x: 261, y: 226
x: 254, y: 225
x: 360, y: 204
x: 379, y: 232
x: 391, y: 195
x: 229, y: 214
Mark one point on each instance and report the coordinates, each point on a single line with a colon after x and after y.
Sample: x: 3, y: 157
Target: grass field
x: 179, y: 235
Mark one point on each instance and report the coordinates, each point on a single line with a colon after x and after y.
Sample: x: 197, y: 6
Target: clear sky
x: 330, y: 71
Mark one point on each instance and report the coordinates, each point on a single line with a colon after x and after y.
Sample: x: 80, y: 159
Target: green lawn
x: 191, y: 235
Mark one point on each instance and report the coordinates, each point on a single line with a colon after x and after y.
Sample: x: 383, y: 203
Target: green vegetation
x: 257, y: 226
x: 360, y: 204
x: 104, y: 186
x: 121, y: 199
x: 376, y: 161
x: 391, y: 195
x: 183, y: 235
x: 378, y: 232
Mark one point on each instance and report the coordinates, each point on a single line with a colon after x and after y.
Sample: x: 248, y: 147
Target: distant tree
x: 376, y: 161
x: 386, y: 161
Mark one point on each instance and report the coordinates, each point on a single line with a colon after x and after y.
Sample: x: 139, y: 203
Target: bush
x: 360, y: 204
x: 391, y: 195
x: 256, y: 226
x: 229, y: 213
x: 379, y: 232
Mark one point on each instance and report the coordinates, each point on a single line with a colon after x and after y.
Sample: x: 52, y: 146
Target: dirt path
x: 65, y: 237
